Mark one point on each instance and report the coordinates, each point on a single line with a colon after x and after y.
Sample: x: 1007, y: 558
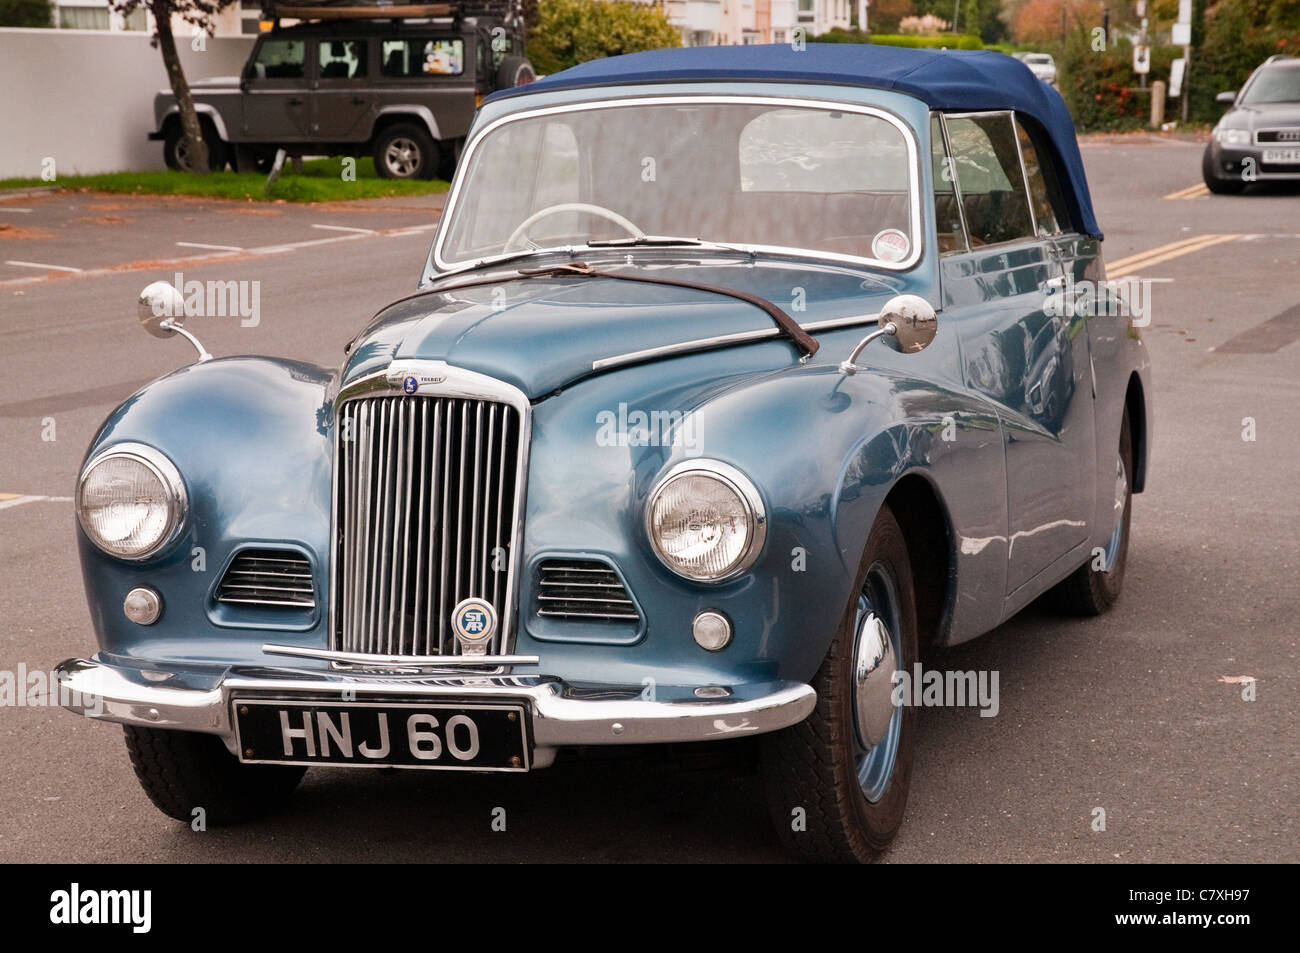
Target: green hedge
x: 943, y: 41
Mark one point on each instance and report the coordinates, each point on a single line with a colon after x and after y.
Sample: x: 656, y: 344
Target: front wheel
x: 405, y: 151
x: 185, y: 771
x: 1216, y: 183
x: 837, y: 782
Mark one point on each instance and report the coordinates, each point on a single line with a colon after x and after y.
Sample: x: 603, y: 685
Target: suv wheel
x: 176, y: 151
x: 405, y: 151
x: 515, y: 71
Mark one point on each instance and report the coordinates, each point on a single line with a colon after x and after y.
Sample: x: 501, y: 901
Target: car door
x: 277, y: 91
x: 1026, y: 355
x: 344, y: 97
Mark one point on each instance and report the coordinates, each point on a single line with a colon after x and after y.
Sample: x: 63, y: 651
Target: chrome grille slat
x: 268, y: 578
x: 426, y: 493
x: 587, y: 591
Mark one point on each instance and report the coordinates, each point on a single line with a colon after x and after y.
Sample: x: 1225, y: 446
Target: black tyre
x: 515, y: 71
x: 1096, y: 585
x: 835, y: 795
x: 1219, y: 185
x: 405, y: 151
x: 448, y: 157
x: 182, y: 770
x: 176, y: 148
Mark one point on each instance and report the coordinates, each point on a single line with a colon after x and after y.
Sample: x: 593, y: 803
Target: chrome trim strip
x: 956, y: 186
x: 909, y: 137
x: 725, y: 340
x: 401, y: 661
x: 1024, y: 173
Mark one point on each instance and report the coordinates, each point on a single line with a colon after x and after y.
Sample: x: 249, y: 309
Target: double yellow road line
x: 1191, y: 192
x: 1155, y: 256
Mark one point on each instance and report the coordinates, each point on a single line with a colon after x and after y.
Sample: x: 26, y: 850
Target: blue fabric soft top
x: 943, y: 79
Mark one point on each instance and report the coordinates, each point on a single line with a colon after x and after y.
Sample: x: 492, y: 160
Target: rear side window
x: 987, y: 163
x: 1042, y: 184
x: 342, y: 59
x: 421, y: 57
x: 279, y: 59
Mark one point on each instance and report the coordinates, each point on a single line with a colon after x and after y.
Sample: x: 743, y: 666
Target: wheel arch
x: 927, y: 529
x: 393, y: 115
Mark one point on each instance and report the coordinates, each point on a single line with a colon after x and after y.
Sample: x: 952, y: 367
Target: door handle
x: 295, y: 101
x: 358, y: 101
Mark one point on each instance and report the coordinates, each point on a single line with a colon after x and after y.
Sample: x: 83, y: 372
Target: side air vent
x: 584, y: 590
x: 275, y: 578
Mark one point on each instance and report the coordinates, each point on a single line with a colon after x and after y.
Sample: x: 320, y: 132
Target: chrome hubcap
x: 877, y: 720
x: 402, y: 157
x: 1120, y: 510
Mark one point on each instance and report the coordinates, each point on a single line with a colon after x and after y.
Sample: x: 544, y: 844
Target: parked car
x: 1042, y: 65
x: 1258, y: 139
x: 730, y: 385
x: 402, y: 91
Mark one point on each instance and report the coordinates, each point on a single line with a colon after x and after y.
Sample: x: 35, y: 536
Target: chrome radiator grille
x: 425, y: 504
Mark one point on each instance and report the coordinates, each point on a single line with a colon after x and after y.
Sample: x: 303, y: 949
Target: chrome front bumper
x: 561, y: 715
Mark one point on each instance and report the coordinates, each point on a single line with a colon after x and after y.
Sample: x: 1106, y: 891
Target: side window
x: 988, y: 177
x: 421, y: 57
x: 342, y: 59
x: 1044, y: 191
x: 947, y: 213
x: 279, y: 59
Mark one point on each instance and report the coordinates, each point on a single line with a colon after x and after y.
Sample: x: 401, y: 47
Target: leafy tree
x: 569, y: 32
x: 976, y: 17
x: 28, y: 13
x: 883, y: 16
x: 198, y: 13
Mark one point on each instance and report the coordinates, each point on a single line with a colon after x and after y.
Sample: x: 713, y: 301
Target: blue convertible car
x: 735, y: 378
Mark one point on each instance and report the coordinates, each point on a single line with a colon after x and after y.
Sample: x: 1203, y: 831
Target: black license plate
x: 470, y: 737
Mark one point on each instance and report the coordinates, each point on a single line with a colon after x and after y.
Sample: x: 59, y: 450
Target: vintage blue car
x: 735, y: 378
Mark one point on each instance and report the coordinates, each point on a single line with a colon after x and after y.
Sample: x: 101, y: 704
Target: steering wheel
x: 515, y: 241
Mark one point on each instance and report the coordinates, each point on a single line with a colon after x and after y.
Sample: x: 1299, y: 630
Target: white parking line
x: 347, y: 228
x: 19, y: 501
x: 37, y: 264
x: 206, y: 245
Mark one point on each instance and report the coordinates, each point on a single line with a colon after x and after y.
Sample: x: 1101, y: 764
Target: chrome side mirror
x: 162, y: 313
x: 907, y: 321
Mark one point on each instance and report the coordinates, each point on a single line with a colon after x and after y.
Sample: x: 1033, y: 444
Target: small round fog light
x: 142, y: 606
x: 712, y: 630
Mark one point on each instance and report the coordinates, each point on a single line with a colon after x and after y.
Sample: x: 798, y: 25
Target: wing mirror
x: 1227, y: 98
x: 162, y: 314
x: 907, y: 322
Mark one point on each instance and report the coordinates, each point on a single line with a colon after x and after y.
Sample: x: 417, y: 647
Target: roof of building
x: 951, y: 80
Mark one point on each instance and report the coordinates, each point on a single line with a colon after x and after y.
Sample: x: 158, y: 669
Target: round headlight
x: 706, y: 521
x: 130, y: 501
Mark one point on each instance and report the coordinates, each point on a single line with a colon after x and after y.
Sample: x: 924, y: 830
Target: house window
x: 83, y: 18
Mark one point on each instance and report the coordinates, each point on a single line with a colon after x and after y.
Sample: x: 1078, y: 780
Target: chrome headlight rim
x: 168, y: 475
x: 744, y: 488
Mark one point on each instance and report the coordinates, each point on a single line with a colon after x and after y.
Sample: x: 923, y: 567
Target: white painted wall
x: 85, y: 97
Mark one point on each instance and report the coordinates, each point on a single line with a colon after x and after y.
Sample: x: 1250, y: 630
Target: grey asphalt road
x: 1129, y: 713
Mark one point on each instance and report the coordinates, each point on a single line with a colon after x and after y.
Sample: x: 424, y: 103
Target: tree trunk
x: 198, y: 149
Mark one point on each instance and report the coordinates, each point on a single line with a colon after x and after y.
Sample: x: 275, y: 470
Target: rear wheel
x: 1096, y: 585
x: 837, y: 782
x: 182, y: 771
x: 405, y: 151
